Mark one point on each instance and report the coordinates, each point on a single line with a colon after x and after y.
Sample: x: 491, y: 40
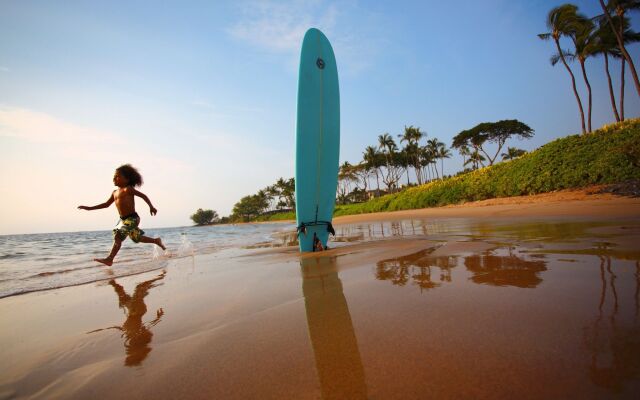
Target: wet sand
x: 495, y: 301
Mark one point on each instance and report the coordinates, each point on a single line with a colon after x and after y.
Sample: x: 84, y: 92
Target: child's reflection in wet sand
x: 137, y: 335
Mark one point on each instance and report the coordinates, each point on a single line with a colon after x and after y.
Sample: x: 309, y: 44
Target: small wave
x: 14, y: 255
x: 122, y: 274
x: 64, y: 271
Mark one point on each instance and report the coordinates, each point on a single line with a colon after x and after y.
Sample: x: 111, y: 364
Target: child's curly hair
x: 131, y: 174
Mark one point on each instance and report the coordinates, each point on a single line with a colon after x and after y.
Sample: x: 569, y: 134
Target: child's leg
x: 156, y: 241
x: 117, y: 242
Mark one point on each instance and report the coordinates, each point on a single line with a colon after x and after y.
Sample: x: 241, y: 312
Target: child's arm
x: 103, y: 205
x: 144, y: 197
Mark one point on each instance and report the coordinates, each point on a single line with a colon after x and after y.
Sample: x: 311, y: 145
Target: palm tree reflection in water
x: 508, y: 270
x: 137, y: 335
x: 417, y: 266
x: 488, y: 269
x: 614, y: 342
x: 331, y: 331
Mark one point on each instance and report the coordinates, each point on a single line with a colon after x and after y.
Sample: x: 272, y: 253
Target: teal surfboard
x: 317, y: 140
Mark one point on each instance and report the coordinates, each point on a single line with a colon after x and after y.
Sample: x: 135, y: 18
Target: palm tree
x: 464, y: 152
x: 585, y: 44
x: 412, y: 137
x: 346, y: 176
x: 433, y: 145
x: 388, y: 146
x: 279, y: 188
x: 475, y: 158
x: 606, y: 45
x: 411, y: 134
x: 371, y: 159
x: 413, y: 155
x: 402, y: 160
x: 512, y: 153
x: 262, y: 201
x: 443, y: 153
x: 427, y: 157
x: 290, y: 193
x: 621, y: 7
x: 272, y: 193
x: 286, y: 192
x: 561, y: 22
x: 629, y: 36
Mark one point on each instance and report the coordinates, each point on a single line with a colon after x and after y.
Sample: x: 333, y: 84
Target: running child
x: 126, y: 178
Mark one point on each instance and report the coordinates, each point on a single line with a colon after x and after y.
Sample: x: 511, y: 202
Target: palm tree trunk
x: 611, y: 94
x: 586, y: 81
x: 442, y: 166
x: 573, y: 83
x: 378, y: 182
x: 625, y: 54
x: 623, y: 62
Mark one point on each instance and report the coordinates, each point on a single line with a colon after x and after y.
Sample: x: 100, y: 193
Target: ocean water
x: 35, y: 262
x: 44, y: 261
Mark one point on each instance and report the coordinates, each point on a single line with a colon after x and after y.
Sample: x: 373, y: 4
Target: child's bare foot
x: 159, y: 243
x: 106, y: 261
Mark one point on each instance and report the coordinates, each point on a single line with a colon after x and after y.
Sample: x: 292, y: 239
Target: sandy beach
x: 531, y: 297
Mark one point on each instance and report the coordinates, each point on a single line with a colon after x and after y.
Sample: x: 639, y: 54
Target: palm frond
x: 544, y: 36
x: 568, y: 56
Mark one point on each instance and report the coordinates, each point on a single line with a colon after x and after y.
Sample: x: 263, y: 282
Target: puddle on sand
x: 548, y: 309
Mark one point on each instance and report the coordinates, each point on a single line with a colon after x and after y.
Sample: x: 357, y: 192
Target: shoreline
x: 574, y: 203
x: 570, y: 202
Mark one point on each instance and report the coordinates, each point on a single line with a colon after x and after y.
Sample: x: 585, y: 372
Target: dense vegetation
x: 608, y: 155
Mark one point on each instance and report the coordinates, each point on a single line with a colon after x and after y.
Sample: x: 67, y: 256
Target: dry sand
x: 533, y: 297
x: 582, y: 202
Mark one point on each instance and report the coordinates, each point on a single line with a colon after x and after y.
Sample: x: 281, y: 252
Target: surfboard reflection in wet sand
x: 137, y: 335
x: 335, y: 347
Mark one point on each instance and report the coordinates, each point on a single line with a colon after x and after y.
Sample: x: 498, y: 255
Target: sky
x: 201, y: 95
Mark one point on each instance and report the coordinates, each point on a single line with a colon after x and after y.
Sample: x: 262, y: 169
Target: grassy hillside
x: 608, y: 155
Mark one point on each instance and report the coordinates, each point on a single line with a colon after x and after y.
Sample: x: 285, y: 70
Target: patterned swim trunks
x: 128, y: 226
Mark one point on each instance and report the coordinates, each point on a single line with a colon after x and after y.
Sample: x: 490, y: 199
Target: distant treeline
x: 388, y: 163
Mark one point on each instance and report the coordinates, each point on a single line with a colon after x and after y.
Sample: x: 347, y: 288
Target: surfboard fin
x: 330, y: 229
x: 302, y: 229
